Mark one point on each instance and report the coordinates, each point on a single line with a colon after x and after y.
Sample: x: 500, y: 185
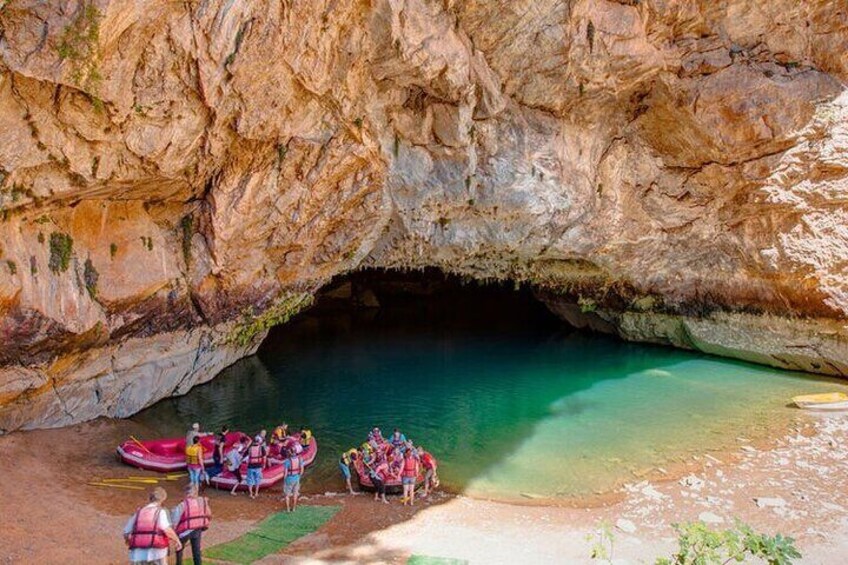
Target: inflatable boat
x: 393, y: 485
x: 273, y: 473
x: 826, y: 401
x: 167, y: 455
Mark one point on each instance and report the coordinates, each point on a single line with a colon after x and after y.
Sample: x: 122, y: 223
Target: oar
x: 145, y: 481
x: 141, y: 445
x: 112, y: 485
x: 174, y: 476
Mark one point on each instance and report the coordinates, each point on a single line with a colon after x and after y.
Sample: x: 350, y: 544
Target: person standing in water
x: 148, y: 530
x: 257, y: 456
x: 194, y: 461
x: 291, y: 484
x: 346, y: 460
x: 191, y: 518
x: 408, y: 476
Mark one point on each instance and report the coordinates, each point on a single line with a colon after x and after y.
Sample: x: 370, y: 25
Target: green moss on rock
x: 252, y: 325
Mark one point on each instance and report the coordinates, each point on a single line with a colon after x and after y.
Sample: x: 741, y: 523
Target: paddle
x: 141, y: 445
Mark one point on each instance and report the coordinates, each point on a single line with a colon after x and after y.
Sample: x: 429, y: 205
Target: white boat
x: 825, y: 401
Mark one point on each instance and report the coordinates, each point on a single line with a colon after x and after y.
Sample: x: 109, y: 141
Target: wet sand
x: 51, y: 516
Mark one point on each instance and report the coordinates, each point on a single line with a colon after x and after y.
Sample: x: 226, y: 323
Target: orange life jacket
x: 410, y: 467
x: 195, y: 515
x: 254, y: 456
x: 146, y: 533
x: 194, y: 453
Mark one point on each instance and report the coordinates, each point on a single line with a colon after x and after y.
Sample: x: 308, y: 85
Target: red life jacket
x: 255, y: 456
x: 295, y: 465
x: 428, y: 461
x: 146, y: 533
x: 409, y: 465
x: 195, y: 515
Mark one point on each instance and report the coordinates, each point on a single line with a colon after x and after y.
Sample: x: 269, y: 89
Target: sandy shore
x: 801, y: 482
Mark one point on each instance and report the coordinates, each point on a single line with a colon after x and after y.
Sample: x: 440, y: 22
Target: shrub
x: 90, y: 276
x: 698, y: 545
x: 113, y: 250
x: 13, y: 267
x: 187, y: 225
x: 61, y: 248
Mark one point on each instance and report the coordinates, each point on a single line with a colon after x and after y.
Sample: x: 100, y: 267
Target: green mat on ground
x: 272, y: 534
x: 427, y: 560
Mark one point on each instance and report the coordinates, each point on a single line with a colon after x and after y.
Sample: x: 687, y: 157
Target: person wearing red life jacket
x: 149, y: 530
x: 291, y: 484
x: 191, y: 518
x: 431, y: 476
x: 257, y: 456
x: 408, y: 476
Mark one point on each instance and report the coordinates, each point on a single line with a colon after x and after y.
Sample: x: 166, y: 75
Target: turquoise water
x: 510, y: 402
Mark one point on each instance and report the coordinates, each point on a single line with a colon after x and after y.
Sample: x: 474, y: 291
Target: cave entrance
x: 510, y: 400
x: 427, y: 301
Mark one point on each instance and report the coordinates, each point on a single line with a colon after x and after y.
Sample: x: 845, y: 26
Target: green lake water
x: 509, y: 401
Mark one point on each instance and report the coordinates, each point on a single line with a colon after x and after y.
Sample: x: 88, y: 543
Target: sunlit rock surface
x: 675, y: 171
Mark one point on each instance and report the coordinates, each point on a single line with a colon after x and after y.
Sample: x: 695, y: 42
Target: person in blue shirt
x: 398, y: 440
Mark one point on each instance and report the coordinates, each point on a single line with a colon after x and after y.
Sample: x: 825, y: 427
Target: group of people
x: 152, y: 528
x: 255, y: 453
x: 391, y: 460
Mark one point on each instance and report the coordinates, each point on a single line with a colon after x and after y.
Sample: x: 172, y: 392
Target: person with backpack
x: 148, y: 531
x: 191, y: 518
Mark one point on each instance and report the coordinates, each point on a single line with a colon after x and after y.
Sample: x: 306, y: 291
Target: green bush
x: 187, y: 226
x: 61, y: 248
x: 90, y: 276
x: 699, y: 545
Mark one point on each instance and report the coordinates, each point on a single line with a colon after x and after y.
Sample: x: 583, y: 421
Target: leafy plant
x: 187, y: 225
x: 587, y: 304
x: 61, y: 248
x: 603, y: 542
x: 700, y: 545
x: 90, y: 276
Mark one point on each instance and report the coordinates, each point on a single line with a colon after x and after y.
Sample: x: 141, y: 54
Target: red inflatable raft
x: 274, y: 472
x: 393, y: 485
x: 167, y: 455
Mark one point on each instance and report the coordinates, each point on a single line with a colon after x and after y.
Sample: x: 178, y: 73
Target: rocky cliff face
x: 179, y: 176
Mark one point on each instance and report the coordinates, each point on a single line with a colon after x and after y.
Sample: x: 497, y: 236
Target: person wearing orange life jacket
x: 257, y: 456
x: 149, y: 530
x: 293, y: 466
x: 191, y: 518
x: 194, y: 461
x: 408, y: 476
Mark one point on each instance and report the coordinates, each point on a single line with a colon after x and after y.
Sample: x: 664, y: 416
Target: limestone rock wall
x: 172, y: 171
